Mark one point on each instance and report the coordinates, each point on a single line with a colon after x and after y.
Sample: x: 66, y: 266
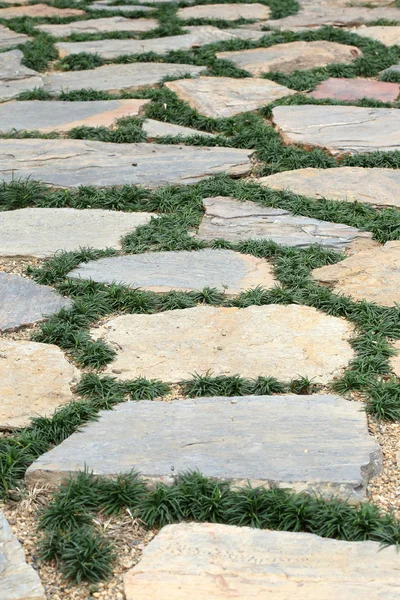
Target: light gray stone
x: 227, y: 12
x: 155, y: 129
x: 71, y: 163
x: 107, y: 24
x: 247, y: 34
x: 313, y: 443
x: 8, y: 37
x: 128, y: 8
x: 14, y: 77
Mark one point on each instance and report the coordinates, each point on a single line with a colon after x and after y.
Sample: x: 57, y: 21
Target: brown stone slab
x: 108, y: 24
x: 39, y: 10
x: 387, y: 35
x: 8, y: 37
x: 355, y: 89
x: 227, y: 12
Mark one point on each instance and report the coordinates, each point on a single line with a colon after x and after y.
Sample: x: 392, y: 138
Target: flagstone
x: 372, y: 275
x: 387, y: 35
x: 14, y: 76
x: 247, y: 34
x: 355, y: 89
x: 8, y: 37
x: 220, y: 97
x: 121, y: 8
x: 41, y: 232
x: 227, y: 12
x: 155, y: 129
x: 39, y: 10
x: 340, y: 129
x: 108, y: 24
x: 395, y: 366
x: 34, y: 380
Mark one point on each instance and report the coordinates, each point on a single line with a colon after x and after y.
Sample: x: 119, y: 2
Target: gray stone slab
x: 8, y: 37
x: 71, y: 163
x: 340, y: 129
x: 128, y: 8
x: 107, y: 24
x: 24, y: 302
x: 156, y: 129
x: 313, y: 443
x: 227, y: 12
x: 15, y: 77
x: 247, y: 34
x: 18, y: 580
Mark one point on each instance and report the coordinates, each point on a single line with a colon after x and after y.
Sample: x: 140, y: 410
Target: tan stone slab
x: 155, y: 129
x: 387, y: 35
x: 372, y: 275
x: 395, y: 366
x: 34, y: 380
x: 39, y: 10
x: 220, y: 97
x: 8, y: 37
x: 278, y: 341
x: 356, y: 89
x: 14, y: 76
x: 207, y: 560
x: 227, y: 12
x: 108, y: 24
x: 291, y: 57
x: 126, y: 8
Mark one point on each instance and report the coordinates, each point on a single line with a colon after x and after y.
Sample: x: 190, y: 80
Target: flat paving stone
x: 355, y: 89
x: 340, y: 129
x: 292, y: 56
x: 39, y: 10
x: 379, y: 187
x: 314, y: 443
x: 15, y: 77
x: 18, y: 580
x: 220, y: 97
x: 208, y: 560
x: 128, y: 8
x: 105, y: 25
x: 34, y: 380
x: 227, y: 12
x: 372, y: 275
x: 71, y: 163
x: 8, y: 37
x: 161, y: 272
x: 24, y: 302
x: 155, y: 129
x: 41, y: 232
x: 274, y: 340
x: 235, y: 221
x: 387, y: 35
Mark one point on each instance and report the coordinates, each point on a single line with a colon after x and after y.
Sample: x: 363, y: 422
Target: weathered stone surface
x: 379, y: 187
x: 34, y: 380
x: 387, y: 35
x: 227, y: 12
x: 313, y: 443
x: 18, y: 580
x: 395, y: 366
x: 207, y: 560
x: 291, y: 57
x: 372, y: 275
x: 280, y: 341
x: 186, y: 271
x: 15, y: 77
x: 24, y: 302
x: 128, y: 8
x: 43, y: 231
x: 233, y: 220
x: 156, y: 129
x: 340, y: 129
x: 39, y: 10
x: 64, y: 116
x: 100, y: 26
x: 355, y: 89
x: 225, y: 96
x: 71, y: 163
x: 8, y: 37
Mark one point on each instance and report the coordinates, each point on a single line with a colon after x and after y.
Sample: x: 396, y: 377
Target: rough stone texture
x: 207, y: 560
x: 18, y: 580
x: 372, y: 275
x: 274, y: 340
x: 340, y: 129
x: 227, y: 12
x: 8, y: 37
x: 15, y: 77
x: 155, y: 129
x: 71, y: 163
x: 355, y: 89
x: 395, y: 364
x: 24, y: 302
x: 291, y: 56
x: 43, y: 231
x: 233, y: 220
x: 34, y: 380
x: 64, y: 116
x: 164, y: 271
x: 225, y: 96
x: 128, y: 8
x: 313, y: 443
x: 100, y: 26
x: 389, y: 36
x: 379, y: 187
x: 39, y: 10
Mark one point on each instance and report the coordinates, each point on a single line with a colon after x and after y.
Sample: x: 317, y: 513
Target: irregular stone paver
x: 164, y: 271
x: 41, y: 232
x: 39, y: 10
x: 71, y: 163
x: 100, y: 26
x: 155, y: 129
x: 18, y: 580
x: 388, y: 35
x: 15, y: 77
x: 279, y: 341
x: 232, y: 220
x: 34, y: 380
x: 247, y: 34
x: 379, y: 187
x: 372, y: 275
x: 256, y: 439
x: 207, y: 560
x: 122, y: 8
x: 24, y: 302
x: 8, y: 37
x: 395, y: 364
x: 225, y: 96
x: 64, y: 116
x: 340, y: 129
x: 291, y: 57
x: 113, y: 78
x: 355, y: 89
x: 227, y: 12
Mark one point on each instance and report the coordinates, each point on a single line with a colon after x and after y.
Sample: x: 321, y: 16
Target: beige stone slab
x: 15, y: 77
x: 220, y: 97
x: 8, y: 37
x: 39, y: 10
x: 227, y: 12
x: 108, y: 24
x: 155, y: 129
x: 395, y: 366
x: 387, y: 35
x: 16, y: 2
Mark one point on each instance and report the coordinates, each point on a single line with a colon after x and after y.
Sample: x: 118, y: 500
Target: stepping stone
x: 8, y: 37
x: 34, y: 380
x: 209, y: 560
x: 156, y: 129
x: 18, y: 580
x: 371, y: 275
x: 389, y: 36
x: 100, y: 26
x: 355, y: 89
x: 24, y: 302
x: 227, y: 12
x: 220, y: 97
x: 247, y: 34
x: 340, y: 129
x: 379, y: 187
x: 39, y: 10
x: 42, y: 232
x: 15, y: 77
x: 395, y: 360
x: 274, y: 340
x: 122, y: 8
x: 235, y: 221
x: 314, y: 443
x: 71, y: 163
x: 161, y: 272
x: 63, y: 116
x: 292, y: 56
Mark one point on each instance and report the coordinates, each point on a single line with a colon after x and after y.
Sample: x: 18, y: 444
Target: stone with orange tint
x: 355, y: 89
x: 39, y: 10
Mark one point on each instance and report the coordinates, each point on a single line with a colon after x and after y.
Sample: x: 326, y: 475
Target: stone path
x: 107, y: 24
x: 39, y: 10
x: 227, y: 12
